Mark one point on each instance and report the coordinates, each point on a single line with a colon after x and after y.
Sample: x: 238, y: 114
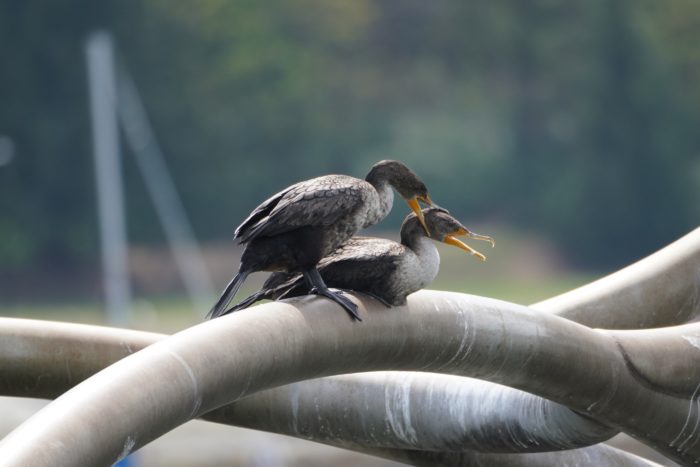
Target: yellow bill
x: 415, y: 207
x: 450, y: 240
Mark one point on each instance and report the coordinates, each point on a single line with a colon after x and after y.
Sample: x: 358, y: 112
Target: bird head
x: 445, y: 228
x: 406, y: 183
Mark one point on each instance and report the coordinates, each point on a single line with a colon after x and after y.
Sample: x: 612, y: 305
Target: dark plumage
x: 294, y: 229
x: 382, y: 268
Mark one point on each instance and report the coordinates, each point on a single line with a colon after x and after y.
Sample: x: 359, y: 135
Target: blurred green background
x: 573, y: 125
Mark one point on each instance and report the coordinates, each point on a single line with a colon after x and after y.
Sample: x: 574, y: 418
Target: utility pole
x: 110, y: 197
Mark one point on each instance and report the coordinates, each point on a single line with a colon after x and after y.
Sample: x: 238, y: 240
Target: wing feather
x: 320, y: 201
x: 362, y: 264
x: 260, y: 213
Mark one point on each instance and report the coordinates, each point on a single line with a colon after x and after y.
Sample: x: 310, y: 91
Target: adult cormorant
x: 382, y: 268
x: 301, y: 224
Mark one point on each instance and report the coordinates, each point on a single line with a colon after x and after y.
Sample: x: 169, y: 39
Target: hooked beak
x: 452, y: 240
x: 415, y: 207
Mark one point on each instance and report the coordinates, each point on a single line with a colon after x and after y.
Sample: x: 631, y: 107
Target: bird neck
x: 377, y: 176
x: 427, y: 254
x: 412, y: 232
x: 382, y: 180
x: 386, y: 199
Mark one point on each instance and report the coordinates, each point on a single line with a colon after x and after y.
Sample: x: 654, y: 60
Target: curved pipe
x: 223, y: 360
x: 662, y: 289
x: 599, y: 456
x: 416, y: 411
x: 401, y: 409
x: 587, y: 303
x: 44, y: 359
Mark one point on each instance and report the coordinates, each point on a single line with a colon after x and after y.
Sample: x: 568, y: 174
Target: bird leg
x: 307, y: 282
x: 320, y: 288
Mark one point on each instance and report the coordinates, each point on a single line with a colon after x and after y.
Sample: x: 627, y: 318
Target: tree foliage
x: 576, y: 119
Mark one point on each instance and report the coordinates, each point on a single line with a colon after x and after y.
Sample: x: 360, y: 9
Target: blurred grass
x: 522, y: 291
x: 156, y: 314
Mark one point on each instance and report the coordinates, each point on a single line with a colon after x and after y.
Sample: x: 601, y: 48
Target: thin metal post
x: 159, y: 183
x: 110, y: 198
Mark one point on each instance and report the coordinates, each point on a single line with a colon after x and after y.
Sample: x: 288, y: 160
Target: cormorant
x: 301, y: 224
x: 381, y: 268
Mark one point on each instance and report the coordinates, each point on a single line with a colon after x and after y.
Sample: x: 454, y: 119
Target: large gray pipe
x: 662, y: 289
x: 671, y: 266
x: 217, y: 362
x: 400, y: 409
x: 416, y: 411
x: 598, y: 456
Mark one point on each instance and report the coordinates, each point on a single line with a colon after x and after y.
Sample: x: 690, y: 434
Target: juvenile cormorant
x: 301, y: 224
x: 382, y: 268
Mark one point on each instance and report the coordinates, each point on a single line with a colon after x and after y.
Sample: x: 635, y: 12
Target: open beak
x: 485, y: 238
x: 415, y: 207
x: 452, y: 240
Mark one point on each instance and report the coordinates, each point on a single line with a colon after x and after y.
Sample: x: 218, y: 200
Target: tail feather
x: 229, y: 292
x: 257, y: 296
x: 278, y: 286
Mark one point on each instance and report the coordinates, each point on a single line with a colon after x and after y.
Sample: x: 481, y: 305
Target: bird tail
x: 246, y: 302
x: 229, y: 292
x: 289, y: 288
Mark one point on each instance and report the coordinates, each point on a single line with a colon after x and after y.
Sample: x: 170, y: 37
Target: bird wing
x: 361, y: 263
x: 261, y: 212
x: 317, y: 202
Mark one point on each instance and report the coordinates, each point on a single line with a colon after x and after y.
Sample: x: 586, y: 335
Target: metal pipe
x: 599, y: 456
x: 415, y: 411
x: 38, y: 359
x: 647, y: 355
x: 223, y: 360
x: 662, y: 289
